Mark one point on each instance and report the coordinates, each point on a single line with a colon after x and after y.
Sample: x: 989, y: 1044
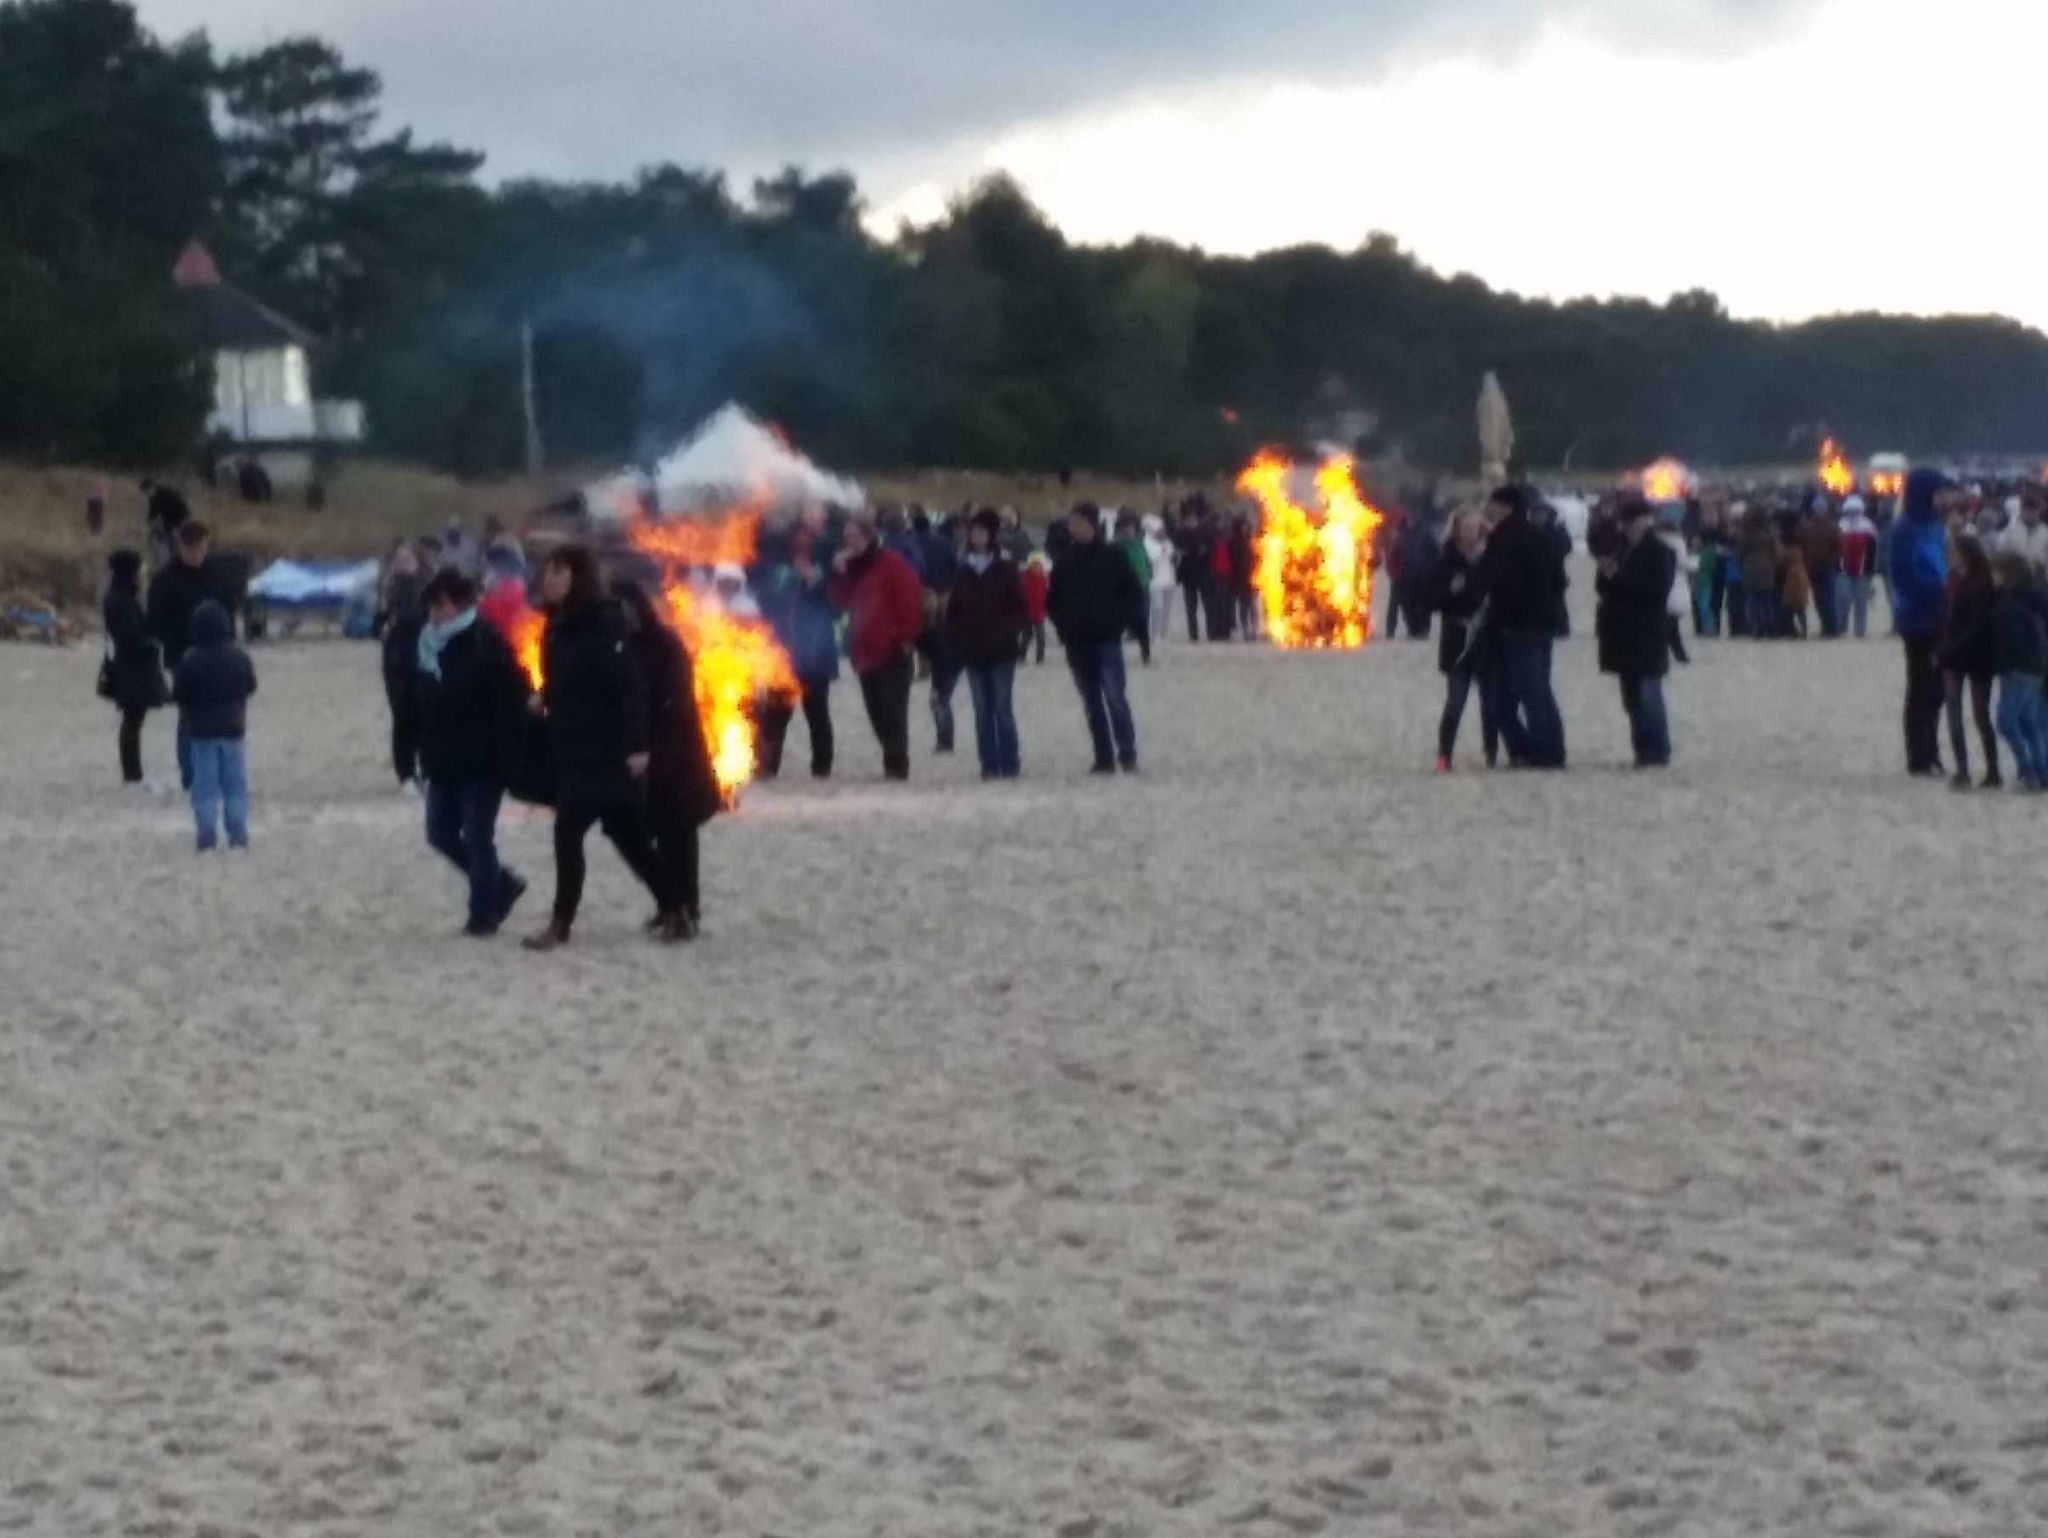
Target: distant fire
x: 1668, y: 480
x: 1314, y: 572
x: 1887, y: 483
x: 1835, y: 473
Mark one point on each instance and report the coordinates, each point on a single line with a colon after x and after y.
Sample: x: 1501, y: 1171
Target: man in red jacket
x: 883, y: 601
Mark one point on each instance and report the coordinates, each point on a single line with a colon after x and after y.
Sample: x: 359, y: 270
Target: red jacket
x: 1859, y: 552
x: 884, y: 605
x: 1037, y: 588
x: 503, y: 606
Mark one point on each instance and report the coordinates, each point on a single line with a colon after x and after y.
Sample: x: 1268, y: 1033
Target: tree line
x: 984, y: 340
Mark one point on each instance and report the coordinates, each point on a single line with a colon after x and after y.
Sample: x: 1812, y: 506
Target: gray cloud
x: 598, y: 87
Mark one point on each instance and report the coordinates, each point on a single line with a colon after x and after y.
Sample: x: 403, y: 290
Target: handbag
x: 104, y: 685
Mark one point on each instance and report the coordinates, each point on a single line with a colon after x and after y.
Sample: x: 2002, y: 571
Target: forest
x: 984, y: 340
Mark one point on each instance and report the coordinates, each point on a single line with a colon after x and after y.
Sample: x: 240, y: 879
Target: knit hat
x: 990, y: 521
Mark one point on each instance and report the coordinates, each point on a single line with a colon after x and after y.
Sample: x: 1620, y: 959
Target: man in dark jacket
x: 794, y: 602
x: 1193, y: 564
x: 1523, y: 575
x: 175, y: 594
x: 1635, y: 632
x: 468, y: 701
x: 1094, y: 593
x: 214, y: 682
x: 986, y: 620
x: 1917, y: 566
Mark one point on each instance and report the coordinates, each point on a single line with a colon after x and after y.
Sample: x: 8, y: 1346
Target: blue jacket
x: 1919, y: 557
x: 802, y: 619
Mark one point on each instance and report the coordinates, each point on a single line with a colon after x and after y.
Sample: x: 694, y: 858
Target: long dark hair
x: 581, y: 566
x: 1975, y: 564
x: 635, y: 600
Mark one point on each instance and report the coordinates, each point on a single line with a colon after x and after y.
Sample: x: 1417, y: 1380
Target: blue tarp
x: 313, y: 584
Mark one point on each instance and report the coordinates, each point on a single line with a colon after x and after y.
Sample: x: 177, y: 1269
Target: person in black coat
x: 1634, y: 636
x: 1094, y: 592
x: 595, y: 702
x: 1523, y: 574
x: 134, y: 670
x: 398, y: 623
x: 986, y: 622
x: 214, y: 682
x: 682, y: 786
x: 463, y: 691
x: 1968, y: 662
x: 1193, y: 563
x: 175, y: 594
x: 1462, y: 653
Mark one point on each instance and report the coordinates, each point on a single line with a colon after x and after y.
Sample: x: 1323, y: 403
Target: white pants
x: 1162, y: 612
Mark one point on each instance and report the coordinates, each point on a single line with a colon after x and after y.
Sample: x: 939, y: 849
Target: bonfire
x: 1835, y: 473
x: 1668, y: 480
x: 1314, y: 571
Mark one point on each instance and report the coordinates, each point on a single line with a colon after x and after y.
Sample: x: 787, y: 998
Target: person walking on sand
x: 214, y: 683
x: 1917, y: 574
x: 1462, y: 645
x: 986, y: 620
x: 1130, y: 544
x: 1762, y: 577
x: 467, y: 698
x: 1165, y: 578
x: 2019, y: 641
x: 1796, y: 591
x: 404, y: 612
x: 595, y: 704
x: 1634, y: 630
x: 1859, y: 563
x: 883, y: 600
x: 175, y: 594
x: 682, y: 787
x: 794, y: 601
x: 132, y: 676
x: 1036, y: 580
x: 1522, y: 572
x: 1094, y: 593
x: 1968, y: 660
x: 1194, y: 546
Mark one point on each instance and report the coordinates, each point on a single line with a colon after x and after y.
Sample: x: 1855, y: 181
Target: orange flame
x: 1835, y: 473
x: 1314, y: 572
x: 1668, y: 480
x: 1887, y: 483
x: 522, y: 633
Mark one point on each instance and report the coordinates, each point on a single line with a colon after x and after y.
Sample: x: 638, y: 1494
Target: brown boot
x: 551, y: 938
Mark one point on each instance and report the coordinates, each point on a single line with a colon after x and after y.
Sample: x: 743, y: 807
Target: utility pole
x: 534, y: 454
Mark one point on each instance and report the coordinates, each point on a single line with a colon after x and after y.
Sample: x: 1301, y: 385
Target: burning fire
x: 1668, y: 480
x: 1314, y: 572
x: 1887, y: 483
x: 522, y: 633
x: 1835, y: 473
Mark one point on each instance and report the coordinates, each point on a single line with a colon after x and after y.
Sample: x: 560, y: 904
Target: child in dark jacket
x: 214, y: 681
x: 2019, y: 645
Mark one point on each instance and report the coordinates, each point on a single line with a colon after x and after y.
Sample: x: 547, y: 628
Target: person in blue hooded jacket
x: 794, y: 602
x: 1917, y: 565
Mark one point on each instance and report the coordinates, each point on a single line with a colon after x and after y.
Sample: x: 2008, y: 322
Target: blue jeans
x: 184, y: 754
x: 462, y: 823
x: 989, y: 685
x: 220, y: 784
x: 2023, y: 723
x: 1098, y: 671
x: 1531, y: 725
x: 1856, y: 606
x: 1764, y: 614
x: 1649, y: 728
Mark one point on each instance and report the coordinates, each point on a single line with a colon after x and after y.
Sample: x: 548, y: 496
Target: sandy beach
x: 1285, y: 1142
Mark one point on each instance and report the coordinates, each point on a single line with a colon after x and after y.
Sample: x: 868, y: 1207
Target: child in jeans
x: 214, y: 682
x: 2019, y: 648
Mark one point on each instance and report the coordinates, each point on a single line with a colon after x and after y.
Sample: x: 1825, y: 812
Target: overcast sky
x: 1795, y: 156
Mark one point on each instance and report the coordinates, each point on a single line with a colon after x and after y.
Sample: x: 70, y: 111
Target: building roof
x: 227, y: 319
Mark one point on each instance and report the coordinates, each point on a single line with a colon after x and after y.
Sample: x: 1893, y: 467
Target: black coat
x: 1094, y: 594
x: 215, y: 679
x: 1966, y: 636
x: 1195, y: 548
x: 135, y: 664
x: 596, y: 706
x: 2019, y: 640
x: 1457, y: 594
x: 1523, y: 574
x: 175, y: 594
x: 401, y: 621
x: 985, y: 614
x: 471, y: 718
x: 679, y: 773
x: 1633, y: 624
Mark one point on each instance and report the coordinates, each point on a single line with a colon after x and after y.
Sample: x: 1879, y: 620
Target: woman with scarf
x: 595, y: 704
x: 132, y: 676
x: 467, y: 696
x: 682, y: 788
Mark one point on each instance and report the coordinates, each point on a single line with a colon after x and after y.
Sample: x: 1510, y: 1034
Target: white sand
x: 1287, y: 1142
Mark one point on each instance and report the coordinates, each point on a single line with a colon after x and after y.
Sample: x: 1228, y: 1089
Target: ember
x: 1314, y: 572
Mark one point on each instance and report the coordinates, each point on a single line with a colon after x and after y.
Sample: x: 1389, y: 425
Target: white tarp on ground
x: 314, y: 582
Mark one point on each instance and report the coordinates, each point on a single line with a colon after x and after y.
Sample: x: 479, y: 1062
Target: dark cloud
x: 597, y: 87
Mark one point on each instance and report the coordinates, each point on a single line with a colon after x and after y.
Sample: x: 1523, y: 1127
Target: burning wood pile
x: 1314, y: 569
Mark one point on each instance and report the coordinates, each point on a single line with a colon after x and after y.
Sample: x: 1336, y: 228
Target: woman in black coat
x: 1967, y: 658
x: 1461, y: 656
x: 1635, y: 640
x: 596, y: 707
x: 134, y: 676
x: 682, y: 788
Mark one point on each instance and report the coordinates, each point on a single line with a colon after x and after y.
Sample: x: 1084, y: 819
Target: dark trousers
x: 1675, y: 629
x: 1762, y: 614
x: 1038, y: 641
x: 129, y: 738
x: 990, y: 686
x: 1247, y: 603
x: 675, y: 847
x: 462, y: 824
x: 1098, y: 671
x: 886, y: 692
x: 1141, y: 630
x: 184, y: 754
x: 1649, y: 728
x: 945, y: 679
x: 625, y: 824
x: 1458, y: 687
x: 405, y: 736
x: 1220, y: 609
x: 1191, y: 594
x: 772, y: 721
x: 1923, y: 705
x: 1978, y: 688
x: 1531, y: 725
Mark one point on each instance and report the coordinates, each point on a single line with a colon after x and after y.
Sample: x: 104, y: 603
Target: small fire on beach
x: 1314, y: 570
x: 1835, y: 473
x: 1668, y: 480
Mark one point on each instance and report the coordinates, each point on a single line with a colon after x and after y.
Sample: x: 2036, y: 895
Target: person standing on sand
x: 1917, y: 573
x: 1522, y: 573
x: 133, y: 677
x: 1159, y: 558
x: 794, y: 602
x: 682, y: 787
x: 2019, y: 626
x: 399, y: 625
x: 175, y: 594
x: 595, y: 703
x: 1968, y: 659
x: 1094, y: 593
x: 1130, y: 544
x: 1796, y: 591
x: 986, y: 621
x: 1634, y: 630
x: 883, y: 600
x: 466, y: 697
x: 1463, y: 648
x: 1859, y: 561
x: 1194, y: 549
x: 215, y: 680
x: 1762, y: 572
x: 1036, y: 580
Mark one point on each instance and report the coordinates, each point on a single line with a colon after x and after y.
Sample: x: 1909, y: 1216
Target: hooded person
x: 1859, y: 565
x: 132, y: 676
x: 795, y: 603
x: 1634, y: 630
x: 215, y: 680
x: 1917, y: 572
